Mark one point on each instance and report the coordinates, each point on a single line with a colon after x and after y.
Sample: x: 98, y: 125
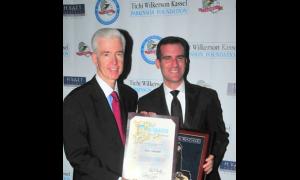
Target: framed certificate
x: 191, y: 154
x: 150, y: 148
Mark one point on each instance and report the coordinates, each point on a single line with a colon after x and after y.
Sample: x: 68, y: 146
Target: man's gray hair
x: 107, y: 33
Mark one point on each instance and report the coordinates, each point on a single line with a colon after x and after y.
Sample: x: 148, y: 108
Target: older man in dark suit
x: 95, y: 114
x: 198, y: 108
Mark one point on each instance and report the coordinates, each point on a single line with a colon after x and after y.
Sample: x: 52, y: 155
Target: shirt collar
x: 105, y: 87
x: 180, y: 88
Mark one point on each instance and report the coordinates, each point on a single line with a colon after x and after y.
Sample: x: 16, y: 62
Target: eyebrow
x: 111, y: 52
x: 171, y: 56
x: 181, y: 55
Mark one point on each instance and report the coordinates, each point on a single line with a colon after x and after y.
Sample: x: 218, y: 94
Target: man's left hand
x: 209, y: 163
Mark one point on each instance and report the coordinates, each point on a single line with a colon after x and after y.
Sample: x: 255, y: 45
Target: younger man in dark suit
x: 198, y: 108
x: 95, y: 114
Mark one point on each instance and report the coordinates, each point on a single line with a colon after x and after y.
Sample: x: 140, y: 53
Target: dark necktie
x: 176, y: 107
x: 117, y: 114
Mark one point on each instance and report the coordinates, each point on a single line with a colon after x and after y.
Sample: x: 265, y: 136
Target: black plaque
x: 192, y: 150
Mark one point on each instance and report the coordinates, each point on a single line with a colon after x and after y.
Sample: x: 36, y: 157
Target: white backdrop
x: 209, y: 28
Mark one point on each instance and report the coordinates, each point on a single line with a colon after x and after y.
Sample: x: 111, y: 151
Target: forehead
x: 172, y: 48
x: 113, y: 43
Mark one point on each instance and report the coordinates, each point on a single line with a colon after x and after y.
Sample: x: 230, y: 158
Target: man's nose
x: 174, y: 62
x: 114, y: 59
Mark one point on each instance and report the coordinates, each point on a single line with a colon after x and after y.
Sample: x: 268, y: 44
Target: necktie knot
x: 115, y: 96
x: 174, y: 93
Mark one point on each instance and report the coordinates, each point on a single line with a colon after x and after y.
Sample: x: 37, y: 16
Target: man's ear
x: 95, y: 58
x: 157, y: 63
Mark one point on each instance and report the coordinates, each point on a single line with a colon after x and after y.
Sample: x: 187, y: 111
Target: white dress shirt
x: 180, y: 96
x: 107, y: 89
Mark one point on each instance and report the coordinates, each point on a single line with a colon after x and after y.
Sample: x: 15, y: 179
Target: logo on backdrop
x: 74, y: 80
x: 228, y: 166
x: 153, y: 8
x: 231, y: 89
x: 107, y: 11
x: 84, y: 50
x: 143, y: 86
x: 67, y: 176
x: 203, y: 83
x: 73, y: 10
x: 230, y: 130
x: 216, y: 50
x: 212, y: 6
x: 148, y: 48
x: 66, y: 51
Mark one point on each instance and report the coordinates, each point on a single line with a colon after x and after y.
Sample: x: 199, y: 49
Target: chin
x: 115, y: 76
x: 176, y: 79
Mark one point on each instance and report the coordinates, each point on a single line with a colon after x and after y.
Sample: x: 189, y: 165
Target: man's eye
x: 180, y: 58
x: 166, y: 58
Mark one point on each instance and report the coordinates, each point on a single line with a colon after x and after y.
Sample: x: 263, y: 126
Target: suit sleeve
x: 217, y: 128
x: 134, y: 102
x: 145, y: 105
x: 76, y: 144
x: 140, y: 106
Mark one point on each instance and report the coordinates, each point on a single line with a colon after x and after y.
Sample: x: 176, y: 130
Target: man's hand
x: 147, y: 113
x: 209, y: 163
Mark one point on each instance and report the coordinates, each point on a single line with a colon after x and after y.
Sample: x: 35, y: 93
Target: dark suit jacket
x: 203, y: 113
x: 90, y: 134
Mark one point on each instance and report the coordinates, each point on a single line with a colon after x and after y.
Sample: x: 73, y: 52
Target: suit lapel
x: 105, y: 116
x: 190, y: 98
x: 162, y: 108
x: 123, y: 107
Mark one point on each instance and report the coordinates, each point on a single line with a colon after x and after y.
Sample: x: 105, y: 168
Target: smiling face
x: 172, y: 64
x: 109, y: 59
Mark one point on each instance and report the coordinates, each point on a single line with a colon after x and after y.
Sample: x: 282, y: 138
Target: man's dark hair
x: 173, y: 40
x: 176, y: 40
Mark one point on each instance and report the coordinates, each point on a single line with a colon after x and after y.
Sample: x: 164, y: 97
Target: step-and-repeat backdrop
x: 209, y: 26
